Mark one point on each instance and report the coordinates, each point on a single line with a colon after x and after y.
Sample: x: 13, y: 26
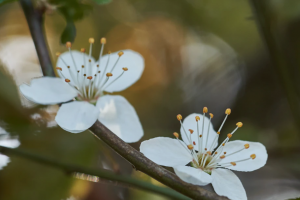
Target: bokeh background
x: 197, y: 53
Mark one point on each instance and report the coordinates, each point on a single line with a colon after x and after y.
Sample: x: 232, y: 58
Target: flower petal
x: 118, y: 115
x: 166, y: 151
x: 48, y: 90
x: 249, y: 165
x: 76, y: 116
x: 226, y: 183
x: 80, y: 59
x: 193, y: 175
x: 190, y: 123
x: 8, y: 141
x: 132, y: 60
x: 4, y: 160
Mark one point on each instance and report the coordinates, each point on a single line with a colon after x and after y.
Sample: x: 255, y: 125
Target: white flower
x: 86, y: 80
x: 6, y: 141
x: 195, y: 159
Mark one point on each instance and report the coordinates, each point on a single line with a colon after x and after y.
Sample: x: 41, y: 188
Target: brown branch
x: 34, y: 19
x: 143, y: 164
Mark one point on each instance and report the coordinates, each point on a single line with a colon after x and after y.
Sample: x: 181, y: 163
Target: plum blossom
x: 198, y: 160
x: 7, y: 141
x: 87, y: 82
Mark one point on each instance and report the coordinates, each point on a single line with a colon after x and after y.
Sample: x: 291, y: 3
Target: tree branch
x: 143, y: 164
x: 34, y: 19
x: 104, y: 174
x: 137, y: 159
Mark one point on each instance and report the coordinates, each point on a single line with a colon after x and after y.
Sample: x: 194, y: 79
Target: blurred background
x: 197, y: 53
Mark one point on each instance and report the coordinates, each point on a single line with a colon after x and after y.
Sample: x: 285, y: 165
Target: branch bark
x: 101, y: 173
x: 34, y: 19
x: 143, y: 164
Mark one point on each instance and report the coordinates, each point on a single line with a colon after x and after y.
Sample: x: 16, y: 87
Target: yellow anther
x: 91, y: 40
x: 108, y: 74
x: 229, y: 135
x: 228, y: 111
x: 68, y: 44
x: 205, y: 110
x: 239, y: 124
x: 103, y: 40
x: 209, y: 153
x: 222, y: 156
x: 176, y: 134
x: 179, y: 117
x: 233, y: 163
x: 253, y: 156
x: 59, y: 68
x: 82, y: 50
x: 197, y: 118
x: 191, y: 131
x: 223, y: 144
x: 120, y: 53
x: 246, y: 146
x: 57, y: 54
x: 218, y: 133
x: 211, y: 115
x: 125, y: 68
x: 67, y: 80
x: 190, y: 146
x: 89, y: 77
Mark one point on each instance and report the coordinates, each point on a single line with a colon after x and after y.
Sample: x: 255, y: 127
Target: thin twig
x: 143, y: 164
x: 34, y: 19
x: 101, y: 173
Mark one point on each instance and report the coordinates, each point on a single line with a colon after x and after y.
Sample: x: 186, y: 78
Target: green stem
x: 34, y: 19
x: 103, y: 174
x: 266, y: 23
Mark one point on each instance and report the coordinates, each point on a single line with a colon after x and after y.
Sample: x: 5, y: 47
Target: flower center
x: 88, y: 85
x: 206, y: 158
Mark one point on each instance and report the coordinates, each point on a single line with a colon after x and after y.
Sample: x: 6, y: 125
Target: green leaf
x: 69, y: 33
x: 102, y: 1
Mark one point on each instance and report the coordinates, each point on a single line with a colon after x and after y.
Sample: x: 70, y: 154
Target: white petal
x: 132, y: 60
x: 80, y: 59
x: 48, y: 90
x: 76, y: 116
x: 226, y: 183
x: 249, y: 165
x: 3, y: 160
x: 118, y: 115
x: 8, y: 141
x: 166, y: 151
x: 193, y: 175
x: 190, y: 123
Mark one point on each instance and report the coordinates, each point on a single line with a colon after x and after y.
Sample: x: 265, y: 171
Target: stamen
x: 120, y: 54
x: 233, y: 163
x: 104, y: 71
x: 246, y: 146
x: 190, y: 147
x: 207, y: 135
x: 253, y: 156
x: 116, y: 78
x: 197, y: 120
x: 222, y: 157
x: 205, y: 110
x: 229, y: 135
x: 179, y: 117
x: 69, y: 45
x: 59, y: 68
x: 191, y: 131
x: 176, y: 135
x: 194, y: 143
x: 67, y: 80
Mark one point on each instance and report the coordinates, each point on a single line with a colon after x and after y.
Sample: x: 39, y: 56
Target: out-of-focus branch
x: 137, y: 159
x: 34, y: 19
x: 143, y: 164
x: 266, y: 23
x: 103, y: 174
